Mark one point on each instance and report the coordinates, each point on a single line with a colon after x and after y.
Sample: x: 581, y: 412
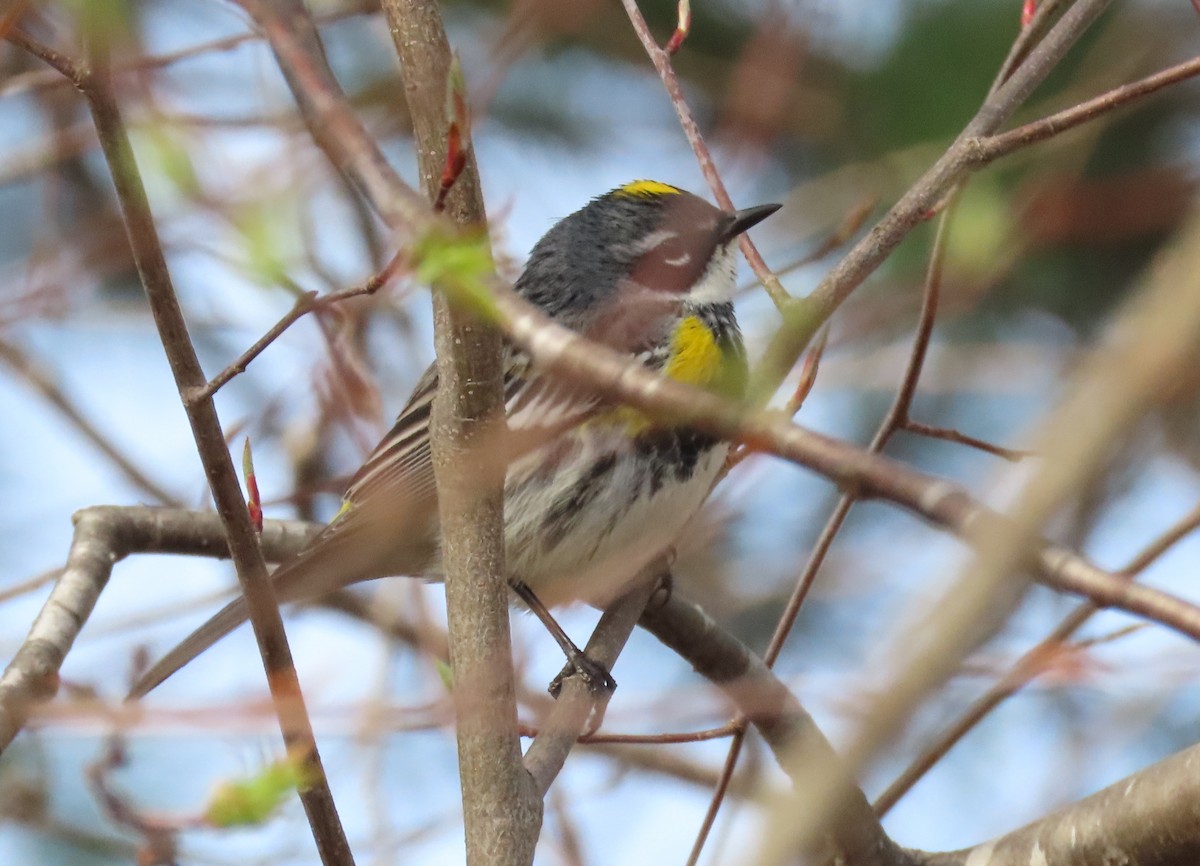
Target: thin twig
x: 1027, y: 37
x: 913, y: 207
x: 661, y: 58
x: 948, y: 434
x: 67, y: 67
x: 305, y: 304
x: 41, y: 381
x: 990, y: 148
x: 331, y: 121
x: 849, y: 226
x: 576, y: 703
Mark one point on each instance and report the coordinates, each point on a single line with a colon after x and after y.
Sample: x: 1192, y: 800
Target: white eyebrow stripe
x: 679, y: 260
x: 654, y: 239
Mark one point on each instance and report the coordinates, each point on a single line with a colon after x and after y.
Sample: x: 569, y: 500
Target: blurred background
x: 829, y: 106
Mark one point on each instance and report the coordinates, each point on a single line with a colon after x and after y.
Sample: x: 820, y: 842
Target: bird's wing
x: 396, y: 482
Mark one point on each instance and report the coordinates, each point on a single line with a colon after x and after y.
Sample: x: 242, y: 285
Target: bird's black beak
x: 744, y: 220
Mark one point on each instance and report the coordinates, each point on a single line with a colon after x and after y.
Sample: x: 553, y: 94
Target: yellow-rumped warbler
x: 647, y: 269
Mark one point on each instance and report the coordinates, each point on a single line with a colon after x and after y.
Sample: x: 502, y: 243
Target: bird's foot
x: 595, y: 675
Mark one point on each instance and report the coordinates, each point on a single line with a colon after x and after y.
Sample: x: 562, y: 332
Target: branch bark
x: 1151, y: 818
x: 502, y: 811
x: 218, y: 466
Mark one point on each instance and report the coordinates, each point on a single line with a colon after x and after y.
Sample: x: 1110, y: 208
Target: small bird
x: 647, y: 269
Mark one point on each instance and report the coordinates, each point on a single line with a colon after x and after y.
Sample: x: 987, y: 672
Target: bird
x: 599, y: 490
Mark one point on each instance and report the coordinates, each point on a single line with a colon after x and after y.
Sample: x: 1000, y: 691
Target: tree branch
x: 1151, y: 818
x: 784, y: 724
x: 941, y: 502
x: 990, y: 148
x: 218, y: 467
x: 919, y: 200
x: 502, y: 811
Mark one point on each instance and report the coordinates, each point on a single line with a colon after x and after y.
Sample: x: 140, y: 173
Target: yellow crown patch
x: 646, y: 189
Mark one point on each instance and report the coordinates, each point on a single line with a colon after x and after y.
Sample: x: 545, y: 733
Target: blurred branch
x: 1024, y: 671
x: 1153, y: 344
x: 992, y: 147
x: 1031, y: 31
x: 330, y: 120
x: 947, y: 434
x: 40, y: 381
x: 892, y: 422
x: 65, y: 66
x: 158, y: 847
x: 29, y: 584
x: 104, y: 535
x: 783, y: 723
x: 45, y: 79
x: 913, y: 207
x: 210, y: 443
x: 305, y: 304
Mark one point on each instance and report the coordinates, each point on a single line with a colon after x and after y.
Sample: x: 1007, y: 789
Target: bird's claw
x: 595, y: 675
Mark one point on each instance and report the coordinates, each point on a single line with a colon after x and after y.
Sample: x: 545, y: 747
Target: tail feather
x: 348, y: 551
x: 226, y: 620
x: 321, y: 568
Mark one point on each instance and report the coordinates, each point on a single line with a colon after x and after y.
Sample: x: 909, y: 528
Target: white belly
x: 593, y: 556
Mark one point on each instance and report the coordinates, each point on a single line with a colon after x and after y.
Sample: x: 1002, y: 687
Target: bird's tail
x: 226, y: 620
x: 321, y: 568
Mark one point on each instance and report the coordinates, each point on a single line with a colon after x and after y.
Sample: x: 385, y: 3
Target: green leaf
x: 171, y: 159
x: 445, y: 673
x: 458, y: 265
x: 268, y: 235
x: 103, y: 19
x: 251, y: 801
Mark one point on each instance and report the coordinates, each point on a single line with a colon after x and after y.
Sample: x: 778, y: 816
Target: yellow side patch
x: 646, y: 189
x: 695, y: 355
x: 696, y: 359
x: 343, y: 511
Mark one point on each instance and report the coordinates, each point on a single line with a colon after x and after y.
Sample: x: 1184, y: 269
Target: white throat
x: 718, y: 283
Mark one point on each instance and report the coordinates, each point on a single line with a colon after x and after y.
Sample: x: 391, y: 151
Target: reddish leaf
x: 253, y: 500
x: 1029, y: 9
x: 684, y: 27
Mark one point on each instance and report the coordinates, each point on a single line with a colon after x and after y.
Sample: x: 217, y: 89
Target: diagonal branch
x: 1024, y: 671
x: 44, y: 384
x: 921, y: 198
x: 783, y: 723
x: 661, y: 58
x: 990, y: 148
x: 936, y: 500
x: 218, y: 467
